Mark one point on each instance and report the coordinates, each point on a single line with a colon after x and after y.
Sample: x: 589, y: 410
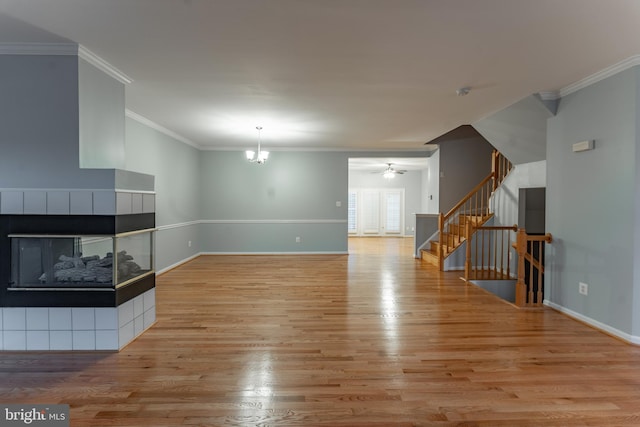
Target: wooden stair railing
x: 530, y: 282
x: 500, y: 168
x: 473, y: 208
x: 487, y: 255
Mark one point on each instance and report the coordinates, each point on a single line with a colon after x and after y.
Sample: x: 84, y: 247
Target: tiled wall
x: 65, y: 328
x: 75, y: 202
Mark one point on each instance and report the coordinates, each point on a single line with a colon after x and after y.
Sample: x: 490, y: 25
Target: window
x: 393, y: 208
x: 352, y: 217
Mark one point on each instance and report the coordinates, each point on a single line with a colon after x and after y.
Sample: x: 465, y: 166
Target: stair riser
x: 429, y: 258
x: 435, y: 248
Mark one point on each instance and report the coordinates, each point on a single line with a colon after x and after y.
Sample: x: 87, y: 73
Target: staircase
x: 452, y: 238
x: 473, y: 209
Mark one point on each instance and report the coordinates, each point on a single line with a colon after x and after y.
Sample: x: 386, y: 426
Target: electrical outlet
x: 298, y: 239
x: 583, y: 288
x: 189, y: 243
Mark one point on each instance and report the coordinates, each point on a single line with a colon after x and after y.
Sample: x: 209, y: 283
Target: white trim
x: 94, y: 190
x: 250, y: 221
x: 551, y: 95
x: 421, y: 149
x: 192, y: 257
x: 66, y: 49
x: 153, y: 125
x: 63, y: 49
x: 177, y: 225
x: 177, y: 264
x: 633, y: 339
x: 273, y: 221
x: 120, y: 190
x: 600, y: 75
x: 279, y: 253
x: 103, y: 65
x: 58, y: 189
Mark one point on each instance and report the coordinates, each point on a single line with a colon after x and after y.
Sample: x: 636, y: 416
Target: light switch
x: 338, y: 204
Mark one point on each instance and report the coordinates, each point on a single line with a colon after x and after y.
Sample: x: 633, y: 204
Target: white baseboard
x: 177, y: 264
x: 192, y: 257
x: 632, y: 339
x: 277, y: 253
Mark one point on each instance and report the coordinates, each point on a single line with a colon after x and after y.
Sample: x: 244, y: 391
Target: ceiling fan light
x: 389, y: 174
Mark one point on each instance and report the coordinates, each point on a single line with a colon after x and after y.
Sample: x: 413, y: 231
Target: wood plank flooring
x: 375, y: 338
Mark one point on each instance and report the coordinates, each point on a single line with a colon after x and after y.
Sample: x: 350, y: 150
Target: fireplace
x: 80, y: 262
x: 75, y: 260
x: 80, y: 279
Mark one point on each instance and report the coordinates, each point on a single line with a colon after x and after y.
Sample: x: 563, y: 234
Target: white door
x: 370, y: 213
x: 393, y: 212
x: 376, y: 212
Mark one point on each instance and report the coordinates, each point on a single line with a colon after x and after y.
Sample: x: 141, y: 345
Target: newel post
x: 467, y: 263
x: 521, y: 249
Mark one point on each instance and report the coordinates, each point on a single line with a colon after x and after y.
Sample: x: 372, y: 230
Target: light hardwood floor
x: 375, y: 338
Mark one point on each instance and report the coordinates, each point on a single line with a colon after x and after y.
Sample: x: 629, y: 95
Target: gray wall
x: 591, y: 208
x: 101, y: 118
x: 463, y: 164
x: 39, y: 125
x: 505, y: 200
x: 177, y: 184
x: 263, y: 208
x: 411, y: 182
x: 518, y: 131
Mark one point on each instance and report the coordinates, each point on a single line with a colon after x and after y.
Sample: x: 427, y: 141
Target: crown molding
x: 143, y: 120
x: 601, y: 75
x: 10, y: 48
x: 103, y: 65
x: 551, y: 95
x: 65, y: 49
x: 420, y: 149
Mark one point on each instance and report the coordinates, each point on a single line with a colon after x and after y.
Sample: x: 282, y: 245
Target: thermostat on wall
x: 583, y: 146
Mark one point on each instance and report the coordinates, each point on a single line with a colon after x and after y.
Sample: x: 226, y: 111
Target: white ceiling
x: 332, y: 74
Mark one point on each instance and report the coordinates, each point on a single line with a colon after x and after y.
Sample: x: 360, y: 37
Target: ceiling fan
x: 390, y: 172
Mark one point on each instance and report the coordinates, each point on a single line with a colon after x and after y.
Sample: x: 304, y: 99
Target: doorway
x: 376, y: 212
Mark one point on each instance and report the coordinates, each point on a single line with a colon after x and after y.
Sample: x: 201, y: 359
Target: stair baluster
x: 473, y: 208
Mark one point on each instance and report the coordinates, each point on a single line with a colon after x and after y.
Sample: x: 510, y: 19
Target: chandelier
x: 260, y: 156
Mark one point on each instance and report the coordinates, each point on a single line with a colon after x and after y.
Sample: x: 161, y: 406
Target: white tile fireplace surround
x: 76, y: 328
x: 75, y: 202
x: 66, y: 315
